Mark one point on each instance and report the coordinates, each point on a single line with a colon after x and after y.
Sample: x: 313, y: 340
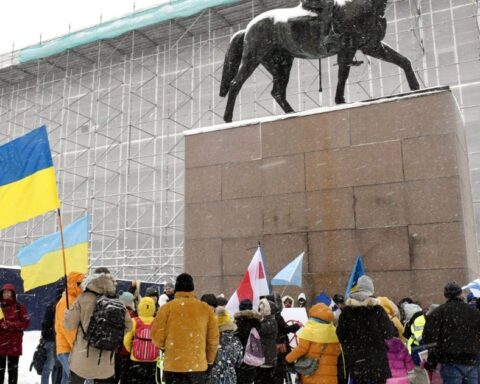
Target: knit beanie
x: 245, y: 305
x: 452, y: 290
x: 224, y: 320
x: 364, y: 289
x: 127, y: 299
x: 168, y: 285
x: 152, y: 291
x: 184, y: 283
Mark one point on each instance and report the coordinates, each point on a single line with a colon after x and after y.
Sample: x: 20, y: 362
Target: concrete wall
x: 387, y: 180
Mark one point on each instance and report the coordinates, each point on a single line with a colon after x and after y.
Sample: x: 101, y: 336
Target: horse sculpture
x: 315, y: 29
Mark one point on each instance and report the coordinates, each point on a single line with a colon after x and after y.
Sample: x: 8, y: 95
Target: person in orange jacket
x: 65, y: 338
x: 318, y: 340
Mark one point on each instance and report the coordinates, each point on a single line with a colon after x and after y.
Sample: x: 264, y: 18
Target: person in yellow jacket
x: 186, y: 330
x: 393, y: 313
x: 64, y: 338
x: 318, y: 340
x: 143, y: 353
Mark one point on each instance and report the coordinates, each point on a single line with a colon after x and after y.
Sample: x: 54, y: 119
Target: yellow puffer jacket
x: 318, y: 339
x: 64, y: 338
x: 146, y: 310
x: 186, y: 329
x: 393, y: 313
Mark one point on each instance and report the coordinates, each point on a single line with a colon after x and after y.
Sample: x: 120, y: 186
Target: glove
x: 411, y: 375
x: 430, y: 366
x: 294, y: 328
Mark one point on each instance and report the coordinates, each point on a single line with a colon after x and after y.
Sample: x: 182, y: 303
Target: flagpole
x: 60, y: 226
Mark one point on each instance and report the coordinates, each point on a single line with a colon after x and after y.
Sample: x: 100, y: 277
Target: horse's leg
x: 279, y: 66
x: 344, y: 59
x: 247, y: 66
x: 386, y: 53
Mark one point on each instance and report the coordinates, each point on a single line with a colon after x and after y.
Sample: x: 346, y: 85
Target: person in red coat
x: 12, y: 324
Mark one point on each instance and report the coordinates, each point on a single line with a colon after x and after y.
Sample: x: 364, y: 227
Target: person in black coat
x: 453, y: 333
x: 362, y: 329
x: 246, y: 319
x: 268, y: 333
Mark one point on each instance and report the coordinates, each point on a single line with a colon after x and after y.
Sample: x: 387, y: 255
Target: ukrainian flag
x: 357, y: 272
x: 42, y: 260
x: 27, y: 178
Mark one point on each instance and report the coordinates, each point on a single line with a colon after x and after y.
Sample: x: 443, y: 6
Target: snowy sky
x: 22, y: 21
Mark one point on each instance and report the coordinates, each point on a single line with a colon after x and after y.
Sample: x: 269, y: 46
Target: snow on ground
x: 30, y: 342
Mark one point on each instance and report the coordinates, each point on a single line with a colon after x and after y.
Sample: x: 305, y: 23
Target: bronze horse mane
x: 313, y: 30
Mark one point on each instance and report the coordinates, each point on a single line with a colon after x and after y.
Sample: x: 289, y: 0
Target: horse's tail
x: 233, y: 57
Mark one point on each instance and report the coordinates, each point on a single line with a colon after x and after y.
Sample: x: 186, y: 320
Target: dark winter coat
x: 13, y: 324
x: 268, y: 331
x: 229, y: 356
x: 245, y: 321
x: 454, y: 328
x: 362, y: 329
x: 48, y: 323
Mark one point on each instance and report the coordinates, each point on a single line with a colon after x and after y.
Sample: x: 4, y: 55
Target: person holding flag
x: 363, y: 327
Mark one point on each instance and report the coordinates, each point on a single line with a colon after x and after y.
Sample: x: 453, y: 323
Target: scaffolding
x: 116, y: 111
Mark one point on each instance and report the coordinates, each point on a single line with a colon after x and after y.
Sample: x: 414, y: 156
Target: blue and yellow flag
x: 357, y: 272
x: 27, y: 178
x: 42, y: 260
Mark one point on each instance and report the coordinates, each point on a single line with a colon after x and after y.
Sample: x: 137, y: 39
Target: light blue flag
x: 474, y: 287
x: 291, y: 274
x: 357, y: 272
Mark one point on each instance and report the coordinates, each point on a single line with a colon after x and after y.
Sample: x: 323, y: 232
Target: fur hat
x: 127, y: 299
x: 184, y: 283
x: 224, y: 320
x: 245, y: 305
x: 452, y: 290
x: 364, y: 289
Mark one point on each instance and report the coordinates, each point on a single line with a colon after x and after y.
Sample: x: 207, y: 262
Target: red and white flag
x: 254, y: 284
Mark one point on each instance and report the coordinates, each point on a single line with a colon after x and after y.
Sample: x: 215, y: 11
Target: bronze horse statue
x: 313, y: 30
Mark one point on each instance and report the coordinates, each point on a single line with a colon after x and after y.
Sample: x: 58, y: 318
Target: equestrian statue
x: 315, y: 29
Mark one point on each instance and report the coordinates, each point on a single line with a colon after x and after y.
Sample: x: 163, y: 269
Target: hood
x: 248, y: 314
x: 73, y: 278
x: 10, y: 287
x: 285, y: 298
x: 389, y: 306
x: 100, y: 283
x: 322, y: 312
x: 146, y: 307
x: 266, y: 308
x: 394, y: 345
x: 368, y: 302
x: 410, y: 310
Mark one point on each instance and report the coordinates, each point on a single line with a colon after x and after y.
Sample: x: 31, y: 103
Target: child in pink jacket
x: 399, y: 360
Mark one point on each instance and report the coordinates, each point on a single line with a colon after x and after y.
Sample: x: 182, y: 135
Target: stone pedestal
x: 388, y: 180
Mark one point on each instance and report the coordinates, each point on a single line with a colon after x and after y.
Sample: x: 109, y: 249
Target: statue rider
x: 324, y: 10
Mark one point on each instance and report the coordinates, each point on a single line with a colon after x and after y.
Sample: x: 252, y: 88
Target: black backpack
x: 107, y: 326
x: 39, y: 357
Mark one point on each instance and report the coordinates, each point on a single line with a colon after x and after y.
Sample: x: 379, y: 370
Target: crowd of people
x: 93, y: 336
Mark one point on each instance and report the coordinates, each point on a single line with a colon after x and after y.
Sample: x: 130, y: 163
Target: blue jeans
x: 49, y: 363
x: 63, y: 358
x: 459, y: 374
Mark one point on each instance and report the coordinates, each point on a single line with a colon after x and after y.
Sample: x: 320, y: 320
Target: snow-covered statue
x: 315, y: 29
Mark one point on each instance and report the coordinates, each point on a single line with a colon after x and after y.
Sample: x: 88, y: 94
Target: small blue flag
x: 291, y: 274
x: 357, y: 272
